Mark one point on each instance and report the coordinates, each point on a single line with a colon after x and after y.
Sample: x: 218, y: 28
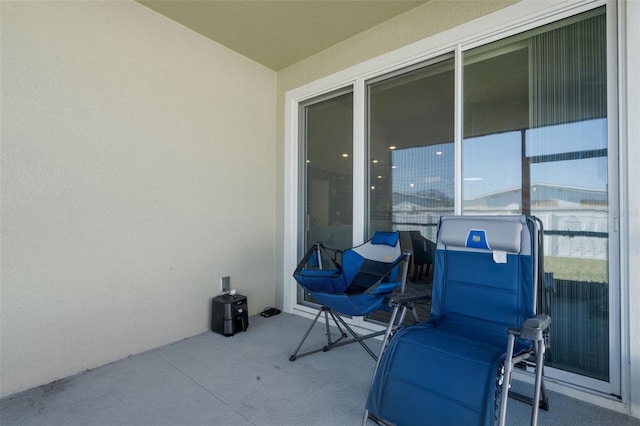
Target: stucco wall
x: 630, y: 215
x: 137, y: 169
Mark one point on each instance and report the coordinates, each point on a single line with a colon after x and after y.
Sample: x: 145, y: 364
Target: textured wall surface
x: 137, y: 169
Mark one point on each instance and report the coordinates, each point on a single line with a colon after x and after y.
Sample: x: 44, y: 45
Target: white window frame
x: 523, y: 16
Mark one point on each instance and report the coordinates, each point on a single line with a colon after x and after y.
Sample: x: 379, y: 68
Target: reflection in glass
x: 411, y: 163
x: 422, y: 188
x: 487, y: 187
x: 535, y: 142
x: 328, y: 173
x: 411, y: 156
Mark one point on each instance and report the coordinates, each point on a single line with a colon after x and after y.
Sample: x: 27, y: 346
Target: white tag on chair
x: 499, y: 256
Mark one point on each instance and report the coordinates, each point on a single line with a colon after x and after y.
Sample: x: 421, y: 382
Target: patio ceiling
x: 280, y: 33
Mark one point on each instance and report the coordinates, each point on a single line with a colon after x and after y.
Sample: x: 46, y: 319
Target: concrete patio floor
x: 245, y: 379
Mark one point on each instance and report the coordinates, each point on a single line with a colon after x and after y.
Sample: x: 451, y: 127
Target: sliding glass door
x: 535, y: 142
x: 520, y: 125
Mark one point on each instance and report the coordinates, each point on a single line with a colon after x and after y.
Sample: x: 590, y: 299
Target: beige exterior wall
x: 137, y: 169
x: 630, y: 213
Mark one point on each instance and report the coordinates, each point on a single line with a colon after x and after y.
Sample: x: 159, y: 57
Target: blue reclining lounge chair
x: 455, y: 368
x: 361, y: 283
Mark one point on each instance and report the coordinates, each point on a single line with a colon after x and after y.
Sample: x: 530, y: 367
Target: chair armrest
x: 533, y: 327
x: 405, y: 298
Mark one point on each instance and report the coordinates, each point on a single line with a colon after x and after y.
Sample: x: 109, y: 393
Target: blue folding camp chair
x: 456, y: 368
x: 362, y: 282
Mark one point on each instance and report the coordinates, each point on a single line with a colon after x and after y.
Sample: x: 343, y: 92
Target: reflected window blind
x: 568, y: 65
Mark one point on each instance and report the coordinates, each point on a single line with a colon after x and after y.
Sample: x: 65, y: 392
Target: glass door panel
x: 410, y: 132
x: 327, y: 147
x: 535, y: 142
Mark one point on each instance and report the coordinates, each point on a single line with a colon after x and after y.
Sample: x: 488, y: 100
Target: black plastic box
x: 229, y: 314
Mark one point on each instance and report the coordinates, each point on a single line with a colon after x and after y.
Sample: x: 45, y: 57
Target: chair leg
x: 385, y: 339
x: 414, y: 312
x: 544, y: 402
x: 343, y: 335
x: 356, y: 338
x: 330, y: 343
x: 539, y: 399
x: 539, y: 349
x: 293, y: 356
x: 506, y: 381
